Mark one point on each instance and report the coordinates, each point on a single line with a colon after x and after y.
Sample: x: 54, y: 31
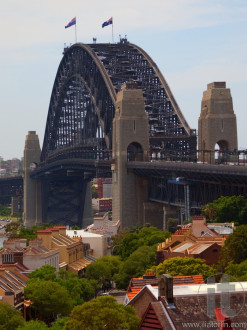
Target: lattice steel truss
x: 82, y: 102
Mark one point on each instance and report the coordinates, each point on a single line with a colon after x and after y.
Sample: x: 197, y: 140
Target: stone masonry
x: 217, y: 122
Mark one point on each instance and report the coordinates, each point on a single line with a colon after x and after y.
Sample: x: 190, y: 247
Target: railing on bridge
x: 226, y: 157
x: 77, y: 152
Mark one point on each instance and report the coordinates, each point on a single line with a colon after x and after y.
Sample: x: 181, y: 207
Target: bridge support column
x: 32, y: 214
x: 153, y: 214
x: 87, y: 218
x: 217, y: 123
x: 130, y: 143
x: 16, y: 205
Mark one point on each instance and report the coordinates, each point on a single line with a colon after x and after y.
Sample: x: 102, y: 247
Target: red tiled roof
x: 136, y: 284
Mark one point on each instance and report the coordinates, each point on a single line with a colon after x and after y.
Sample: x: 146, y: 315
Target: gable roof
x: 156, y: 317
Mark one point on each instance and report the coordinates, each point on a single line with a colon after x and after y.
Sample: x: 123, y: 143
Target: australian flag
x: 72, y: 22
x: 107, y: 22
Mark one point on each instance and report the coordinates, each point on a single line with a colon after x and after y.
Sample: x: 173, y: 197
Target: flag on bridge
x: 72, y: 22
x: 110, y: 21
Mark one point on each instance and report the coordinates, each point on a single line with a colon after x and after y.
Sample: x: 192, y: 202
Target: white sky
x: 193, y: 42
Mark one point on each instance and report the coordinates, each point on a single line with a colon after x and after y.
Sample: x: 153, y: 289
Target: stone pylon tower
x: 217, y: 122
x: 130, y: 142
x: 32, y: 188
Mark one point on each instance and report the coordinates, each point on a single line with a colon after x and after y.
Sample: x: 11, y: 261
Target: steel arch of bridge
x: 81, y: 107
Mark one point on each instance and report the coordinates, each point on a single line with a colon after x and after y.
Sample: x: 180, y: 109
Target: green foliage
x: 118, y: 238
x: 227, y: 209
x: 172, y: 225
x: 113, y: 262
x: 235, y: 248
x: 94, y: 192
x: 210, y: 211
x: 79, y: 289
x: 144, y: 236
x: 103, y: 269
x: 34, y: 325
x: 46, y: 272
x: 10, y: 318
x: 5, y: 211
x: 59, y: 323
x: 103, y: 313
x: 48, y: 298
x: 179, y: 266
x: 88, y: 288
x: 99, y: 271
x: 237, y: 271
x: 136, y: 265
x: 27, y: 233
x: 12, y: 228
x: 75, y: 227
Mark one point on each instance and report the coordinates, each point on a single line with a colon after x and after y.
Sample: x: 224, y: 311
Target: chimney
x: 166, y: 287
x: 148, y: 276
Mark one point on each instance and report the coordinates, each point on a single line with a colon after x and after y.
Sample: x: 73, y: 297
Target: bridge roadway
x: 199, y: 184
x: 228, y: 174
x: 94, y: 167
x: 11, y: 186
x: 207, y: 182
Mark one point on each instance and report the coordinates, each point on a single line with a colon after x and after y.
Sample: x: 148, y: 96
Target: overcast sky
x: 193, y: 42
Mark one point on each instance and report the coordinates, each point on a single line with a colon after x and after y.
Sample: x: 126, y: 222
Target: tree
x: 33, y: 324
x: 79, y: 289
x: 113, y: 262
x: 12, y: 228
x: 75, y: 227
x: 103, y: 270
x: 140, y: 237
x: 181, y: 266
x: 117, y: 239
x: 88, y: 287
x: 46, y: 272
x: 172, y: 225
x: 210, y: 211
x: 10, y: 318
x: 227, y: 209
x: 5, y: 211
x: 94, y: 192
x: 99, y: 271
x: 27, y: 233
x: 48, y: 298
x: 235, y: 248
x: 237, y: 271
x: 103, y: 313
x: 59, y: 323
x: 136, y: 265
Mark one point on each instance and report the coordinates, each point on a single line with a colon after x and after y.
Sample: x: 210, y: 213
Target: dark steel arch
x: 84, y: 93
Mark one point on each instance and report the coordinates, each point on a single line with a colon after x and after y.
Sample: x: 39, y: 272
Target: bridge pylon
x: 217, y: 122
x: 32, y: 214
x: 130, y: 143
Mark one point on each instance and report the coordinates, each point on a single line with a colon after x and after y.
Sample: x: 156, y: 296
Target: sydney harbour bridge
x: 78, y: 138
x: 82, y: 104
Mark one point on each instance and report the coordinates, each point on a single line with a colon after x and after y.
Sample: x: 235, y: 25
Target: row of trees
x: 70, y: 298
x: 227, y: 209
x: 99, y: 313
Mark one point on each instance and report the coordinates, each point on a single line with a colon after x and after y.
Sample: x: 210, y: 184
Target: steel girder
x: 84, y: 93
x: 12, y: 186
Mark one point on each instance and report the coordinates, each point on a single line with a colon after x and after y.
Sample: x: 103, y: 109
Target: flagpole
x: 75, y: 34
x: 112, y: 32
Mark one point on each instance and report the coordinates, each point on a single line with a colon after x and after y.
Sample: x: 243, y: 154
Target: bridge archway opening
x: 220, y: 148
x: 134, y: 152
